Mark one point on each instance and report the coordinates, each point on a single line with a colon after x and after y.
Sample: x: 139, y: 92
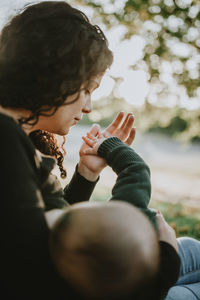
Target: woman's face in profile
x: 67, y: 116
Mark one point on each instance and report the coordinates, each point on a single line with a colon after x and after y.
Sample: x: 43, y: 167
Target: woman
x: 51, y: 60
x: 188, y: 285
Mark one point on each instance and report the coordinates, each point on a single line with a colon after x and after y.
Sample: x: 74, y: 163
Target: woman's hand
x: 165, y: 232
x: 91, y: 165
x: 125, y: 132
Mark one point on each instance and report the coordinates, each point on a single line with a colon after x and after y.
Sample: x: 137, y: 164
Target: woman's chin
x: 65, y: 132
x: 62, y: 132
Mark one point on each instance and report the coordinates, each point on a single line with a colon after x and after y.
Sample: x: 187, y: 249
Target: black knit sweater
x: 27, y: 272
x: 28, y: 189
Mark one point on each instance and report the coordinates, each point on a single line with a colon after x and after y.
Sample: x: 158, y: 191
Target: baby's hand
x: 165, y: 232
x: 121, y: 129
x: 93, y: 142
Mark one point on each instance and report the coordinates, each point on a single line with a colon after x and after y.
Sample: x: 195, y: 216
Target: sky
x: 134, y: 86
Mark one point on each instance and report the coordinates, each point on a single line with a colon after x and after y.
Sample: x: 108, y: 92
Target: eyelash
x: 87, y: 91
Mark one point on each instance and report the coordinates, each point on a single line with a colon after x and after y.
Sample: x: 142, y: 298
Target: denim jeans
x: 188, y: 285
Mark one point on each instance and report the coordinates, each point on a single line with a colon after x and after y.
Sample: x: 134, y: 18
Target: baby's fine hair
x: 98, y: 249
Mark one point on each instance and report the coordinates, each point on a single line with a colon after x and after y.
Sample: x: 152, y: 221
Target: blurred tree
x: 171, y: 30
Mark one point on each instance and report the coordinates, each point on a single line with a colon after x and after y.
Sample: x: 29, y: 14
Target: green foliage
x: 184, y: 220
x: 163, y: 25
x: 178, y: 123
x: 105, y: 110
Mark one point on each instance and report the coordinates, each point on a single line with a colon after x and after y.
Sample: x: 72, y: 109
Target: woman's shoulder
x: 9, y: 125
x: 6, y: 119
x: 15, y: 142
x: 11, y: 130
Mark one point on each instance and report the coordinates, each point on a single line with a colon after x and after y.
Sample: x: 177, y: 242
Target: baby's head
x: 105, y: 250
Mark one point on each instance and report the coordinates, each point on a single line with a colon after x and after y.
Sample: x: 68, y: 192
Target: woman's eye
x: 87, y: 92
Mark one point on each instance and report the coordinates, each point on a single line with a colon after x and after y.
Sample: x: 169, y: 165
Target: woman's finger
x: 129, y: 124
x: 126, y: 120
x: 124, y: 132
x: 131, y: 137
x: 106, y: 134
x: 115, y: 123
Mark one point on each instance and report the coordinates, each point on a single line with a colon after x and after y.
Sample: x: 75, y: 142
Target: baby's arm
x: 133, y: 182
x: 81, y: 187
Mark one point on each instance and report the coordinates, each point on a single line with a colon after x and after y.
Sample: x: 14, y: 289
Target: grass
x: 185, y: 220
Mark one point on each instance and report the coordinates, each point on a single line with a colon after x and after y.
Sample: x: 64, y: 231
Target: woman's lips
x: 76, y: 120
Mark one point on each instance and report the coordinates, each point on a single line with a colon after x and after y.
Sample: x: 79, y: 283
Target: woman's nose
x: 88, y: 106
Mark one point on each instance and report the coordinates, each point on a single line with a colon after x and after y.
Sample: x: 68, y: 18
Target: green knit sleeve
x: 133, y: 183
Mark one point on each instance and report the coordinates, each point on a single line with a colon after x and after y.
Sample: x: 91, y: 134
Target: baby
x: 105, y: 250
x: 110, y: 250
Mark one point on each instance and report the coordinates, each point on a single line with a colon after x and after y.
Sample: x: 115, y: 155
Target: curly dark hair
x: 47, y: 52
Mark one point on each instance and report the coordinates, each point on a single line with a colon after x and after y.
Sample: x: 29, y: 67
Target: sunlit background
x: 156, y: 75
x: 129, y: 55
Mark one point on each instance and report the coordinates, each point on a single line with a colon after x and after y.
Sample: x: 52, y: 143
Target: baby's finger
x: 89, y: 141
x: 160, y: 220
x: 91, y: 136
x: 131, y: 137
x: 95, y: 129
x: 159, y: 214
